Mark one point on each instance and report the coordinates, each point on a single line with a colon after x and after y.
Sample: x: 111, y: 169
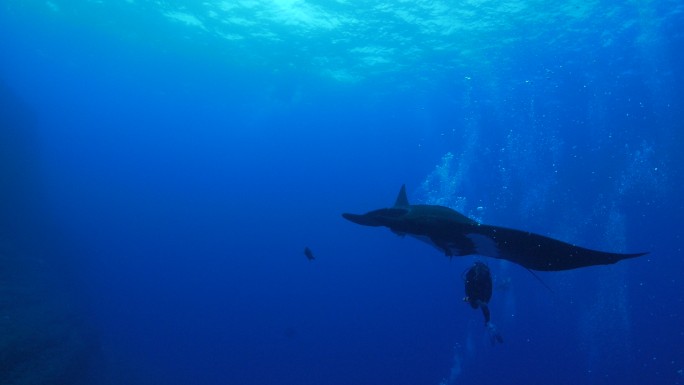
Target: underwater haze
x: 164, y: 165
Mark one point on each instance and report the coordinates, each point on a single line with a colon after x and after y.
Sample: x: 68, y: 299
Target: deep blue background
x: 178, y: 176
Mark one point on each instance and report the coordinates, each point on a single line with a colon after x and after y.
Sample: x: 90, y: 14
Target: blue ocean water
x: 165, y: 163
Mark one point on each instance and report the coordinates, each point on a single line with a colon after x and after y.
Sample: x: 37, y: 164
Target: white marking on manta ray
x: 484, y: 245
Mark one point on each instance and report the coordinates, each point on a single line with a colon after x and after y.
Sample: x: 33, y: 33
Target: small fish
x: 309, y: 254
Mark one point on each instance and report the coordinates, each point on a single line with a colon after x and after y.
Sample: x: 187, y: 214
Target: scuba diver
x: 478, y: 290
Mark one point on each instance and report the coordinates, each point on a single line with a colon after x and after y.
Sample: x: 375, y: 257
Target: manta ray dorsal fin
x: 402, y: 200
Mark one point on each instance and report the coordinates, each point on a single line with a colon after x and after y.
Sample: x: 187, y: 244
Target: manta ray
x: 457, y: 235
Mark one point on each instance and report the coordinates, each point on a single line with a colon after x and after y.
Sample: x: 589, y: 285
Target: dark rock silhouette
x: 46, y: 337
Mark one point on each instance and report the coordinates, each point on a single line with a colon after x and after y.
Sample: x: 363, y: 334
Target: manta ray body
x: 457, y: 235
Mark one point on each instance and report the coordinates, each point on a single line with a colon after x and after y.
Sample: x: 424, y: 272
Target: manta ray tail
x: 539, y: 279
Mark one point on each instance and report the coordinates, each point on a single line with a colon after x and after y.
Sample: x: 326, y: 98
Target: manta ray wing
x: 537, y: 252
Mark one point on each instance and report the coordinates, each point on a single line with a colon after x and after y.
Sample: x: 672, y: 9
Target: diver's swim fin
x: 494, y: 334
